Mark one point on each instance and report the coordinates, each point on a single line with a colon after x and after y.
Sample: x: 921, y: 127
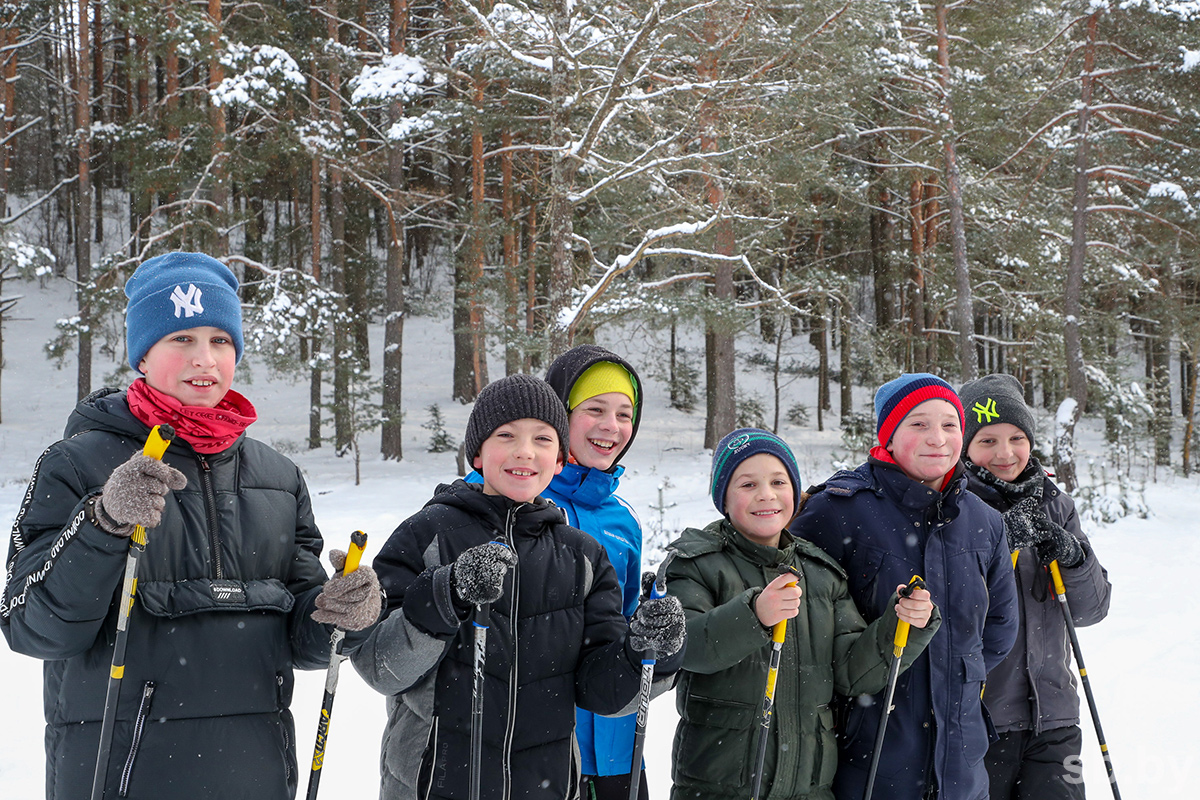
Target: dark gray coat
x: 1034, y: 688
x: 221, y: 616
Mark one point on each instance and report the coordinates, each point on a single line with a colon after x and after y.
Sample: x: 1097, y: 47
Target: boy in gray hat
x: 557, y: 638
x: 1032, y: 693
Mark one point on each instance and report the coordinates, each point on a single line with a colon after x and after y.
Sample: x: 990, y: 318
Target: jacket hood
x: 567, y: 368
x: 531, y: 518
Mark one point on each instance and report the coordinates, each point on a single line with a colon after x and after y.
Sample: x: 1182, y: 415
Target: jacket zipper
x: 512, y: 671
x: 210, y: 508
x: 139, y: 726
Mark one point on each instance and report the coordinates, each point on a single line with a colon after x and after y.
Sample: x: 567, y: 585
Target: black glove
x: 1055, y: 543
x: 135, y: 494
x: 1018, y: 523
x: 658, y: 625
x: 477, y: 575
x: 350, y: 602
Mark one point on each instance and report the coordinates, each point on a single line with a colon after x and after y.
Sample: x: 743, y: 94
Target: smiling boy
x: 230, y: 590
x: 557, y: 638
x: 906, y: 512
x: 728, y: 579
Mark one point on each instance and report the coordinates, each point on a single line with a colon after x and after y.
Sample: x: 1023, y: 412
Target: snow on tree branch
x: 264, y: 76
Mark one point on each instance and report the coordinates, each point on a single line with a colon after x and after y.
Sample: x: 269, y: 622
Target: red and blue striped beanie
x: 895, y: 399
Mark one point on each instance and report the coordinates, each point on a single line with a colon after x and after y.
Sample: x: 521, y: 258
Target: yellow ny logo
x: 985, y: 414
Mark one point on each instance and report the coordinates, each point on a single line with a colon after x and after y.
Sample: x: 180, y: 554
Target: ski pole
x: 654, y: 587
x: 778, y: 632
x: 1060, y: 590
x: 899, y: 641
x: 156, y: 444
x: 480, y: 623
x: 358, y: 543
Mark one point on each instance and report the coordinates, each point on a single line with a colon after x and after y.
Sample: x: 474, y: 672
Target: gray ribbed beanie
x: 510, y: 399
x: 991, y: 400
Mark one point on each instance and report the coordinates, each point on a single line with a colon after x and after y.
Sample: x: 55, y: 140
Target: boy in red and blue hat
x: 907, y: 512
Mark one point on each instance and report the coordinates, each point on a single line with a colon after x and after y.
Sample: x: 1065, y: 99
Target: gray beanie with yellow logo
x: 991, y: 400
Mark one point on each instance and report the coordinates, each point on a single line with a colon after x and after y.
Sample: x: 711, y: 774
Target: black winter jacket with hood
x: 220, y: 619
x: 556, y: 640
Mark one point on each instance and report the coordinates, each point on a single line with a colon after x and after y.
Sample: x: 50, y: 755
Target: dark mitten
x: 1018, y: 524
x: 350, y: 602
x: 658, y: 625
x: 478, y: 573
x: 135, y: 494
x: 1056, y: 543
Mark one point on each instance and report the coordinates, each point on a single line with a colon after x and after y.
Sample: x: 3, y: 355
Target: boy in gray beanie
x: 557, y: 638
x: 1031, y: 694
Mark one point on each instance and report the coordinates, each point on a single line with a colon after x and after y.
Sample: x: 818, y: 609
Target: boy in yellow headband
x: 602, y: 394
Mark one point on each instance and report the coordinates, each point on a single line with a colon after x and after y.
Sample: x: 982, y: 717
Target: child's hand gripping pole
x: 653, y: 586
x: 156, y: 445
x: 899, y: 641
x: 358, y: 543
x: 778, y: 633
x: 1060, y: 590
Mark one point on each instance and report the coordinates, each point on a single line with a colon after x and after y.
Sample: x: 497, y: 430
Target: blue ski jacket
x: 883, y: 528
x: 589, y: 497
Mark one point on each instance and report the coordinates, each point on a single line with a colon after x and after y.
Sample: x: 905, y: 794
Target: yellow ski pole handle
x: 358, y: 543
x: 1060, y: 588
x: 900, y: 640
x: 156, y: 445
x: 1015, y: 553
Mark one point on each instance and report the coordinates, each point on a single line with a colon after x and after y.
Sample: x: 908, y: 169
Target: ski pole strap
x: 900, y: 641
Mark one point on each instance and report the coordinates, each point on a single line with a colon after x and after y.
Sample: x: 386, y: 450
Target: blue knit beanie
x: 896, y: 398
x: 177, y: 291
x: 741, y: 444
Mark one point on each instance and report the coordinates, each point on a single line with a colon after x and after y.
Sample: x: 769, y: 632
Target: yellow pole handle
x: 1015, y: 553
x: 1059, y: 587
x: 358, y: 543
x: 156, y: 445
x: 900, y: 640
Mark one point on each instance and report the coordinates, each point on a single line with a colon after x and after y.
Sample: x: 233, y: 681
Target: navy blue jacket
x: 883, y: 528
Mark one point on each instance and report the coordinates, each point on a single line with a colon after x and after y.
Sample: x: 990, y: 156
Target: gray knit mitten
x: 478, y: 573
x: 658, y: 625
x: 350, y: 602
x: 135, y: 494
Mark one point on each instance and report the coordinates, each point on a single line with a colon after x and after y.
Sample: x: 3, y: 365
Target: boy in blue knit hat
x: 231, y: 596
x: 907, y: 512
x: 737, y: 579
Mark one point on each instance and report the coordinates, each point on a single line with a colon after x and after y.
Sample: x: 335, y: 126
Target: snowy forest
x: 962, y: 187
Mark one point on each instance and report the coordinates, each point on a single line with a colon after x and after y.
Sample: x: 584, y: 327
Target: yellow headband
x: 601, y: 378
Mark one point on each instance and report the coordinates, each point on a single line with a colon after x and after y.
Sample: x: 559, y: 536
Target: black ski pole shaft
x: 358, y: 543
x: 899, y: 642
x: 657, y: 588
x: 1060, y: 590
x: 156, y: 444
x: 480, y: 623
x: 778, y: 633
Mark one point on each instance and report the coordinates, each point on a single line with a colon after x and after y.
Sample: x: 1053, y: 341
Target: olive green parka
x: 718, y: 574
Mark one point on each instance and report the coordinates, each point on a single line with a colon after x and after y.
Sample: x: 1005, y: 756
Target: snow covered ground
x: 1144, y: 661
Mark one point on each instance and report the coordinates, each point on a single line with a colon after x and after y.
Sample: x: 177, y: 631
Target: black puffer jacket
x: 557, y: 639
x: 221, y: 617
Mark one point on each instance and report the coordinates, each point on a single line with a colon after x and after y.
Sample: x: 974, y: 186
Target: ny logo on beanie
x: 187, y: 303
x: 986, y: 412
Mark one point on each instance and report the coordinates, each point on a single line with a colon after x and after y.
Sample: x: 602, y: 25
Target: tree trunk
x: 1064, y: 462
x: 512, y: 289
x: 314, y: 332
x: 846, y: 354
x: 391, y: 432
x: 964, y: 313
x: 916, y: 287
x: 478, y: 243
x: 562, y: 176
x: 83, y: 208
x: 1188, y: 357
x: 220, y: 191
x: 8, y: 99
